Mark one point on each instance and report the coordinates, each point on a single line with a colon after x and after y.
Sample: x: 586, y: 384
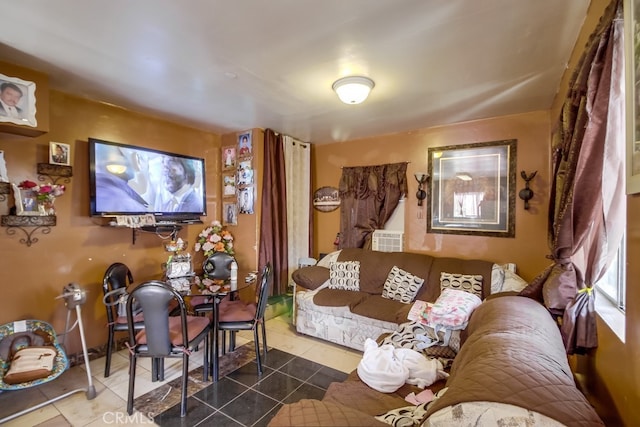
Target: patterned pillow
x: 462, y: 282
x: 344, y: 275
x: 401, y: 286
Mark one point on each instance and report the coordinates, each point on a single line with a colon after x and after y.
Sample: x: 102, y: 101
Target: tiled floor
x: 238, y: 399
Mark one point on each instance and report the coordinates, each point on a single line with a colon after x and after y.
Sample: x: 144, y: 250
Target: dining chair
x: 243, y: 317
x: 164, y: 335
x: 216, y: 267
x: 114, y: 288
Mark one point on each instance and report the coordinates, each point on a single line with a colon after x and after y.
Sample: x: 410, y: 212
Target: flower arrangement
x: 214, y: 238
x: 44, y: 193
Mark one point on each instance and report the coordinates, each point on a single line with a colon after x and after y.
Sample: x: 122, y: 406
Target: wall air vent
x: 388, y: 241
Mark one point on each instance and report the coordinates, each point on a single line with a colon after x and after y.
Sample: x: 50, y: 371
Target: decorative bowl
x: 175, y: 246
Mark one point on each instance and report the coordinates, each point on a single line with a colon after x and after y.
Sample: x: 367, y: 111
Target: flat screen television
x: 130, y: 180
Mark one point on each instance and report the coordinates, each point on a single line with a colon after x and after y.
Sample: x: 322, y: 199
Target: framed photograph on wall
x: 17, y: 101
x: 245, y: 173
x: 59, y: 153
x: 228, y: 158
x: 473, y: 189
x: 245, y: 147
x: 229, y: 185
x: 230, y: 211
x: 245, y: 200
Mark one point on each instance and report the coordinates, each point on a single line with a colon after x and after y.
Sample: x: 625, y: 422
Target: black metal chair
x: 164, y: 335
x: 114, y: 288
x: 243, y: 317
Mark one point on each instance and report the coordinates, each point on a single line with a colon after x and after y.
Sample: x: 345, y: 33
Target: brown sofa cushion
x: 308, y: 412
x: 377, y: 307
x: 375, y: 266
x: 357, y: 395
x: 339, y: 298
x: 311, y: 277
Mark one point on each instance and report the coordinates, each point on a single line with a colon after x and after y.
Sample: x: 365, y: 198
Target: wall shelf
x: 172, y: 230
x: 54, y: 172
x: 28, y: 224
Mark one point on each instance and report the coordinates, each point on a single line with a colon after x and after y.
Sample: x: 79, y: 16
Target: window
x: 612, y: 284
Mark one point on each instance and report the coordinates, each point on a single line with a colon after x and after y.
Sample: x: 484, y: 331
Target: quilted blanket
x: 513, y: 354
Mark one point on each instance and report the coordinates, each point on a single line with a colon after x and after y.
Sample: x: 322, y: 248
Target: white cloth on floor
x: 387, y: 368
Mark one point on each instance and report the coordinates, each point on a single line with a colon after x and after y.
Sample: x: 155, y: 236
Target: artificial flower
x: 214, y: 238
x: 45, y: 192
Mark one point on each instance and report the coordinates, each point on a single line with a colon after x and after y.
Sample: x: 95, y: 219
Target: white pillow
x: 513, y: 282
x: 328, y: 259
x: 497, y: 278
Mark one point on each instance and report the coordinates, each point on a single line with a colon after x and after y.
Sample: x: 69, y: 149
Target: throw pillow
x: 401, y: 286
x: 344, y: 275
x: 462, y: 282
x: 452, y: 310
x: 513, y: 282
x: 311, y: 277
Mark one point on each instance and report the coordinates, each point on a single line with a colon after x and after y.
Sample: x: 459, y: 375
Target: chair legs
x: 132, y: 379
x: 107, y: 362
x: 257, y: 343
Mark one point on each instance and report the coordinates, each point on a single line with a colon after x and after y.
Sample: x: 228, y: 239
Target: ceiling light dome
x: 353, y: 89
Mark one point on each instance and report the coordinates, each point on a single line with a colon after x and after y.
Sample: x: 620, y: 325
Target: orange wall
x: 527, y: 249
x: 79, y: 249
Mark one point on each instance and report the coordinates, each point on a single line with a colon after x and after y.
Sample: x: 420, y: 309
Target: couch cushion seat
x: 339, y: 297
x: 379, y: 308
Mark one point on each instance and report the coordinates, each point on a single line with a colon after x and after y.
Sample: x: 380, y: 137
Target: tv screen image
x: 130, y: 180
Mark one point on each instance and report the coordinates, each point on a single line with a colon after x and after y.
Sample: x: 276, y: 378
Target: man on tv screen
x: 178, y: 179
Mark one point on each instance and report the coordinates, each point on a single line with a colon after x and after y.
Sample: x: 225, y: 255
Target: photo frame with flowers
x: 25, y: 200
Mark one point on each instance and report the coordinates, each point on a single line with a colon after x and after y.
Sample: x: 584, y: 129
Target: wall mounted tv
x: 129, y: 180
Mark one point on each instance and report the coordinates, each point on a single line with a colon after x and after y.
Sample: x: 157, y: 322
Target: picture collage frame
x: 238, y: 180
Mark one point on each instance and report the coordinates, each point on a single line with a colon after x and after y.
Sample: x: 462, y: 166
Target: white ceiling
x: 227, y: 66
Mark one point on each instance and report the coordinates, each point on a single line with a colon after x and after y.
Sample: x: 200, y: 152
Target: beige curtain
x: 297, y: 161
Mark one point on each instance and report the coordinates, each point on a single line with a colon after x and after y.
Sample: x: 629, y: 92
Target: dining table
x: 192, y: 287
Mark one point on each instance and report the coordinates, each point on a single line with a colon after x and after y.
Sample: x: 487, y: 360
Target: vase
x: 46, y: 207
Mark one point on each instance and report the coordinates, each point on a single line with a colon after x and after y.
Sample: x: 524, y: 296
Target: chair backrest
x: 265, y: 284
x: 117, y: 276
x: 154, y: 297
x: 306, y: 261
x: 218, y: 266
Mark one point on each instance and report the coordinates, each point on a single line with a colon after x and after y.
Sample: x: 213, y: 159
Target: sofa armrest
x: 311, y: 277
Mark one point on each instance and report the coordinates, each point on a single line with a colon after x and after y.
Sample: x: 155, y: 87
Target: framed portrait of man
x: 245, y: 200
x: 59, y: 153
x: 17, y: 101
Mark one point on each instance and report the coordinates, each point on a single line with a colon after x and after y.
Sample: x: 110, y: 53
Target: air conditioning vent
x: 388, y: 241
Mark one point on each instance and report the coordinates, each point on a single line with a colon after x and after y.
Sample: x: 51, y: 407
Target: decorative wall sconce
x: 422, y: 178
x: 526, y: 193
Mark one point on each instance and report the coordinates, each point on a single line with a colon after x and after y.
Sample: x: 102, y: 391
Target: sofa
x: 511, y: 370
x: 349, y: 317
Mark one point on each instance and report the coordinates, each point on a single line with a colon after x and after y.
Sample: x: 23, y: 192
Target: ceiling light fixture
x: 353, y: 89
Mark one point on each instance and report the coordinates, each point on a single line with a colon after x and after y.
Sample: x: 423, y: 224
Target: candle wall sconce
x: 422, y: 179
x: 526, y: 193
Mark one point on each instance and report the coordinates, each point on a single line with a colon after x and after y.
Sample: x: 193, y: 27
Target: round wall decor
x: 326, y: 199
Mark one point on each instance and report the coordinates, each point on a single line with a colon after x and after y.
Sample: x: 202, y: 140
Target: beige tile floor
x: 110, y: 404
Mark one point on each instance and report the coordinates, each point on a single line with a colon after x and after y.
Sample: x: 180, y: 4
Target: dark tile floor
x: 243, y: 398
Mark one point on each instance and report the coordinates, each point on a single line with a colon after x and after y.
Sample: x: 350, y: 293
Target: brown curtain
x: 368, y: 197
x: 273, y: 222
x: 586, y: 211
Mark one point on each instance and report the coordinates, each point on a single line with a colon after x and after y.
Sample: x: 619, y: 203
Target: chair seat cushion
x: 195, y: 325
x: 237, y: 312
x: 122, y: 320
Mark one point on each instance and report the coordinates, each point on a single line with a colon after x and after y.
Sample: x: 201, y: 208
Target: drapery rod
x: 342, y: 167
x: 295, y: 140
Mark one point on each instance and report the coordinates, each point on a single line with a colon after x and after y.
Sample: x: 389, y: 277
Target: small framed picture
x: 246, y: 200
x: 26, y: 201
x: 245, y: 148
x: 245, y: 173
x: 228, y: 158
x: 17, y: 101
x: 230, y: 213
x: 229, y: 185
x: 59, y: 153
